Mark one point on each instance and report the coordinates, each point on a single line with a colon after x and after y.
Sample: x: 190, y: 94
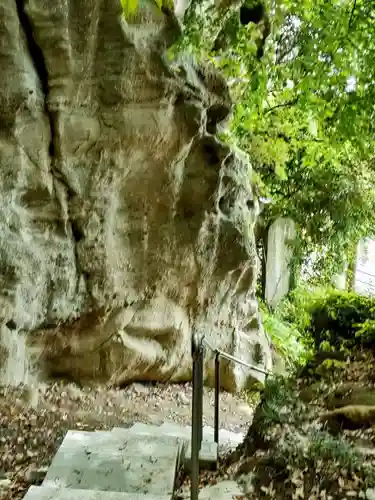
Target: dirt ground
x: 33, y: 423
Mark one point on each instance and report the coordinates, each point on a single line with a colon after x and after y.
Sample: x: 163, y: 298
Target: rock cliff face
x: 125, y: 224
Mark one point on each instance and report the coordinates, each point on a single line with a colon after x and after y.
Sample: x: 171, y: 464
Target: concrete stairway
x: 138, y: 463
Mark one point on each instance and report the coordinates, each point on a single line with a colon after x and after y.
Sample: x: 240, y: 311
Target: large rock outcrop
x: 125, y: 224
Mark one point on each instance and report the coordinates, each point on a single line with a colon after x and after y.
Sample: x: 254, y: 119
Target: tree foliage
x: 130, y: 7
x: 304, y: 112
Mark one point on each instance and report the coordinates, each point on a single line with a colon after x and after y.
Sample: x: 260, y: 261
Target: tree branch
x: 352, y: 13
x: 282, y: 105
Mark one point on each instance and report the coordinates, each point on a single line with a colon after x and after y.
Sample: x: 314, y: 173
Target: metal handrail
x: 233, y: 358
x: 198, y: 345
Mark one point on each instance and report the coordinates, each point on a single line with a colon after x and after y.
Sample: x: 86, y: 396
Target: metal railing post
x: 197, y: 413
x: 197, y: 353
x: 217, y: 396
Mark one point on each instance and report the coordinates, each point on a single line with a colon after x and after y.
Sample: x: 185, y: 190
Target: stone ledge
x: 50, y: 493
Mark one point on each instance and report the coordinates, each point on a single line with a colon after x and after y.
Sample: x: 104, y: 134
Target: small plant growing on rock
x: 276, y: 408
x: 335, y: 450
x: 284, y: 335
x: 330, y: 367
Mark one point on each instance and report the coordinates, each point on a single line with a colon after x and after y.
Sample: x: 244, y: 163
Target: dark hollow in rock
x: 253, y: 14
x: 216, y: 114
x: 11, y: 324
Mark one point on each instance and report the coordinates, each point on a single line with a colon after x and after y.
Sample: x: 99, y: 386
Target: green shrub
x: 366, y: 332
x: 320, y: 319
x: 296, y: 308
x: 342, y: 319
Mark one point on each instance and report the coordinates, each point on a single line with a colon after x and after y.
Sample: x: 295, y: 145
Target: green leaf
x: 280, y: 172
x: 129, y: 7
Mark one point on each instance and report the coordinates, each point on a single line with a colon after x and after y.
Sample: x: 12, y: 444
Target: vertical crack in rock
x: 38, y: 60
x: 40, y: 66
x: 39, y: 63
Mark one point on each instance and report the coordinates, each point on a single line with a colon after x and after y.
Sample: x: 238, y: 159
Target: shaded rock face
x: 125, y: 224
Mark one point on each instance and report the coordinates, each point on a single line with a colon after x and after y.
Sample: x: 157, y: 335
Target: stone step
x: 84, y: 438
x: 226, y: 437
x: 140, y: 429
x: 47, y: 493
x: 209, y: 451
x: 139, y: 462
x: 120, y: 463
x: 208, y: 456
x: 222, y: 490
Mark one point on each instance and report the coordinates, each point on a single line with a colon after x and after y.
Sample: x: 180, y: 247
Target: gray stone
x: 223, y: 490
x: 126, y: 225
x: 363, y: 281
x: 370, y: 494
x: 208, y: 456
x: 172, y: 429
x: 279, y: 254
x: 138, y: 428
x: 183, y: 399
x: 133, y: 463
x: 78, y: 439
x: 35, y: 475
x: 49, y: 493
x: 5, y: 484
x: 228, y: 438
x: 141, y: 462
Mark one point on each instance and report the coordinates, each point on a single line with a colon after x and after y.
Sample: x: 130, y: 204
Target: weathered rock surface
x: 351, y: 394
x: 126, y: 225
x: 350, y: 417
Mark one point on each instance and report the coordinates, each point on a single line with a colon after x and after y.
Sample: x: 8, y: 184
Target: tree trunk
x: 261, y: 236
